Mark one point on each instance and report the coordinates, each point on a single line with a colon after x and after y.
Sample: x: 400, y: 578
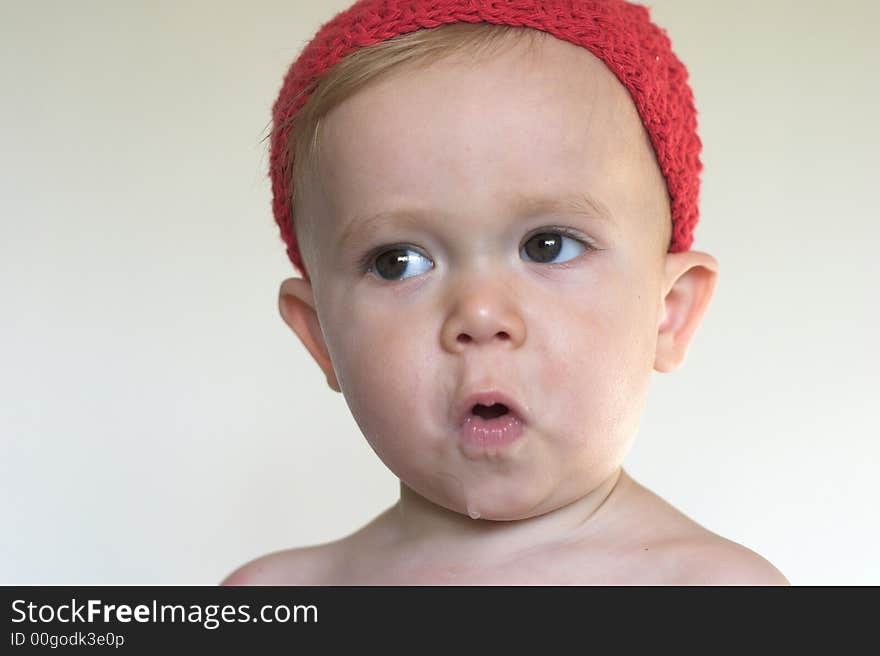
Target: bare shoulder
x: 330, y: 563
x: 713, y: 560
x: 300, y: 566
x: 676, y: 550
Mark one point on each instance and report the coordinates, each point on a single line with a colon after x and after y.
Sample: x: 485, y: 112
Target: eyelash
x: 366, y: 262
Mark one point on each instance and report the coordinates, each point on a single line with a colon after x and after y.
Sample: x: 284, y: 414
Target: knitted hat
x: 619, y: 33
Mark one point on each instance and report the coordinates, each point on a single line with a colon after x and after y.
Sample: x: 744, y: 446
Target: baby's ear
x: 296, y: 303
x: 689, y: 282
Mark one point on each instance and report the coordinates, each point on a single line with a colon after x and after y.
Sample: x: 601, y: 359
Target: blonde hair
x: 413, y: 49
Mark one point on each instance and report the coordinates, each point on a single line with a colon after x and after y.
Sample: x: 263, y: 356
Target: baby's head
x: 479, y: 208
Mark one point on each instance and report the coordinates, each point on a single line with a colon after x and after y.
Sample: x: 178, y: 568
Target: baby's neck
x: 418, y: 521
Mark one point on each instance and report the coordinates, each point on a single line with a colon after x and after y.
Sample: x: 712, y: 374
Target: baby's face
x: 473, y: 295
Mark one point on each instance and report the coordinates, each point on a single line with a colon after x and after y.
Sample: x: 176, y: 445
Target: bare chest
x: 585, y: 568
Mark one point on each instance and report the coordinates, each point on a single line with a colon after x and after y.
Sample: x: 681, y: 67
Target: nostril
x: 489, y: 412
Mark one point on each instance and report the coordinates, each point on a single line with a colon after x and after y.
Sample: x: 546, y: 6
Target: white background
x: 159, y: 422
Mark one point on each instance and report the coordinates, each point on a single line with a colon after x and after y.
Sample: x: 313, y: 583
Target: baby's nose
x: 483, y: 316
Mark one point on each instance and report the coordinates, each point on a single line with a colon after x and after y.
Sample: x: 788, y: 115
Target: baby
x: 493, y: 220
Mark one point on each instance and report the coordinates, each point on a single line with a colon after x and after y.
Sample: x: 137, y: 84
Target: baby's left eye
x: 546, y: 246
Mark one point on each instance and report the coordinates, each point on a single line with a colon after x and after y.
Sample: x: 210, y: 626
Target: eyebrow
x: 583, y: 204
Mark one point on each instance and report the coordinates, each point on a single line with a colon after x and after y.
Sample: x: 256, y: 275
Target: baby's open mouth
x: 489, y: 411
x: 491, y: 406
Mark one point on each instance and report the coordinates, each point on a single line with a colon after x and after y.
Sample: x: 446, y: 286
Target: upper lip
x: 488, y: 397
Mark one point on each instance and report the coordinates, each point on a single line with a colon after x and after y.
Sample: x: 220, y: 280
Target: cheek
x: 594, y: 371
x: 388, y: 378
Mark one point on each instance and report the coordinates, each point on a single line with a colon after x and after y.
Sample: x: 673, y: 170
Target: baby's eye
x: 546, y: 246
x: 392, y: 264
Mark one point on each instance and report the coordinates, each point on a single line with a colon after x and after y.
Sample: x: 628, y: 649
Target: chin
x: 505, y: 502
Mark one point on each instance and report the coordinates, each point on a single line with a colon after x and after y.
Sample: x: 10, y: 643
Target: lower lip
x: 491, y: 433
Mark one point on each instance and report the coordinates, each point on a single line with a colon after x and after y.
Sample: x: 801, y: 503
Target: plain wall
x: 160, y: 423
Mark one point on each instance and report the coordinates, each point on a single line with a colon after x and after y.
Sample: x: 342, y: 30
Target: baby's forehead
x: 494, y: 127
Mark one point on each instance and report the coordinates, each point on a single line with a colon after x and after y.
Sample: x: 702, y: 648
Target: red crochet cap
x: 619, y: 33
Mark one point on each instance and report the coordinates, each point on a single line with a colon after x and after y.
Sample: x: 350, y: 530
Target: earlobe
x: 690, y: 279
x: 296, y: 304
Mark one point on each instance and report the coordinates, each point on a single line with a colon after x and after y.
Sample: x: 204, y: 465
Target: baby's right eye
x: 392, y: 264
